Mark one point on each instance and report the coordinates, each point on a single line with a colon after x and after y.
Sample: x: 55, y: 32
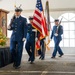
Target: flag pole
x: 48, y: 23
x: 15, y: 4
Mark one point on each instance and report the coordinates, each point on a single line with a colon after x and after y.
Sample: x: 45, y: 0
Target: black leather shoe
x: 61, y: 55
x: 31, y: 62
x: 52, y: 57
x: 40, y: 57
x: 17, y: 67
x: 29, y: 59
x: 14, y: 65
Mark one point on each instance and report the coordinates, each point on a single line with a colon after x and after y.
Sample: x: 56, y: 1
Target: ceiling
x: 30, y: 4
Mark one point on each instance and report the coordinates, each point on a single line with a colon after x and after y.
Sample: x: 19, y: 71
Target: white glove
x: 44, y: 40
x: 23, y: 39
x: 9, y: 27
x: 56, y: 34
x: 34, y: 30
x: 36, y: 39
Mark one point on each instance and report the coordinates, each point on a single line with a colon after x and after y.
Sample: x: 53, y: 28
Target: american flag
x: 39, y: 21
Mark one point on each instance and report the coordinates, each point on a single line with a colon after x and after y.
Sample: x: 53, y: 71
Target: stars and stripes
x: 39, y: 21
x: 37, y: 16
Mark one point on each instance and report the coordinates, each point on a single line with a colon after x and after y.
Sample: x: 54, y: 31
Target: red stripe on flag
x: 37, y: 20
x: 39, y: 14
x: 38, y: 44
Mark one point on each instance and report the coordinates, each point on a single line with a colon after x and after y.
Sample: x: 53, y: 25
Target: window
x: 68, y: 23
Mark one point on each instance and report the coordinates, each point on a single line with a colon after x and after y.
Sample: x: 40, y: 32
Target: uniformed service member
x: 56, y: 34
x: 30, y: 41
x: 18, y: 26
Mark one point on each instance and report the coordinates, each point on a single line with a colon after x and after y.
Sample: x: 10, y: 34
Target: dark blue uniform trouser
x: 30, y: 48
x: 16, y: 48
x: 43, y: 49
x: 57, y: 48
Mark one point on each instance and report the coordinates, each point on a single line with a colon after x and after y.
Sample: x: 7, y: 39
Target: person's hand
x: 56, y: 34
x: 23, y: 39
x: 36, y: 39
x: 9, y: 27
x: 44, y: 40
